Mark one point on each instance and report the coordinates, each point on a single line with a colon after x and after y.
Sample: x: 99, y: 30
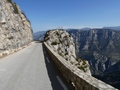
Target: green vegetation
x: 54, y: 43
x: 66, y: 53
x: 46, y: 35
x: 78, y: 59
x: 60, y: 54
x: 82, y: 68
x: 26, y: 16
x: 57, y: 34
x: 67, y: 45
x: 84, y: 64
x: 10, y: 1
x: 59, y: 48
x: 47, y: 39
x: 16, y: 11
x: 11, y: 37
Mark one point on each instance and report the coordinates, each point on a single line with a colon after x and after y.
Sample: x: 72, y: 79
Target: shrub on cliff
x: 10, y: 1
x: 54, y: 43
x: 16, y: 11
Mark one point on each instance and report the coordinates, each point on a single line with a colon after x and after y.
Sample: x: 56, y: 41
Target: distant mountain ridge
x: 87, y: 28
x: 39, y: 35
x: 113, y: 28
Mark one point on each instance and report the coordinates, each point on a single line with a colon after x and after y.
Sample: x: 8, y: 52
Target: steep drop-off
x: 101, y: 47
x: 15, y: 28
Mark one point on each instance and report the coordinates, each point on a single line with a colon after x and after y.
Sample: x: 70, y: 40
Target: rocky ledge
x: 62, y: 43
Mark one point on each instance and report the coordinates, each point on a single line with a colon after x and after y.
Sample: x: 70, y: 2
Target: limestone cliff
x: 100, y: 47
x: 62, y: 43
x: 15, y: 28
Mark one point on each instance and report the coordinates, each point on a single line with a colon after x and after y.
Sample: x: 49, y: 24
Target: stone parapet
x: 79, y: 79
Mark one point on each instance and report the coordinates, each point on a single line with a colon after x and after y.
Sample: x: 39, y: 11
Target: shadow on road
x: 54, y: 73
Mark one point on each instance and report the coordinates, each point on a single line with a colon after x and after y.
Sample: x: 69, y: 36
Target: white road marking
x: 61, y: 82
x: 48, y: 60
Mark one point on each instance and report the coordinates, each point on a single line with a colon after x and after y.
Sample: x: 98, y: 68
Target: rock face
x: 15, y: 28
x: 62, y: 43
x: 100, y: 47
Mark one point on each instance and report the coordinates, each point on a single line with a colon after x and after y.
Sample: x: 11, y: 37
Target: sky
x: 51, y: 14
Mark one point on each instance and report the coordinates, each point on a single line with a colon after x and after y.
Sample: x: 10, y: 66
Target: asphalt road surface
x: 29, y: 69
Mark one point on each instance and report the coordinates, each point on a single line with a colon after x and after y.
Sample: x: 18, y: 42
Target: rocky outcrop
x: 62, y: 43
x: 15, y: 28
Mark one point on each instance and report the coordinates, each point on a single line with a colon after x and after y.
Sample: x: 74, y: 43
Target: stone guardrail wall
x: 76, y: 77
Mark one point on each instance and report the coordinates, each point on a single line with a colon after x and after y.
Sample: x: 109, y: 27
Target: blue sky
x: 49, y: 14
